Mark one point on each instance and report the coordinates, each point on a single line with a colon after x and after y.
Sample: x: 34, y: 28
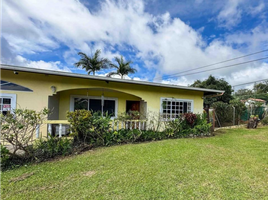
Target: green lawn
x: 231, y: 165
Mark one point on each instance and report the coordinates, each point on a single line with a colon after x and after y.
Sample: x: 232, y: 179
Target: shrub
x: 265, y: 121
x: 52, y: 147
x: 202, y: 129
x: 224, y: 111
x: 4, y: 156
x: 18, y: 128
x: 88, y: 128
x: 151, y: 135
x: 134, y: 135
x: 80, y: 123
x: 190, y: 118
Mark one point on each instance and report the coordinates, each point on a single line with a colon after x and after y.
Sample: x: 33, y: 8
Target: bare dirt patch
x: 89, y: 173
x: 22, y: 177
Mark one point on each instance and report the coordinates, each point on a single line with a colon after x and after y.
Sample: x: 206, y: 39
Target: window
x: 172, y: 108
x: 94, y: 104
x: 7, y: 103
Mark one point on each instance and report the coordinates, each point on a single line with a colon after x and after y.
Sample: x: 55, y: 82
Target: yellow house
x: 31, y: 88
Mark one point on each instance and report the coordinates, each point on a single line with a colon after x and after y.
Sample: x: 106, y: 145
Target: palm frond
x: 93, y: 63
x: 97, y: 54
x: 113, y: 66
x: 118, y: 60
x: 111, y: 73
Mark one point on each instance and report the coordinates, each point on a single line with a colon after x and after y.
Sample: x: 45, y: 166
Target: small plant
x: 52, y: 146
x: 4, y: 156
x: 130, y: 115
x: 172, y: 127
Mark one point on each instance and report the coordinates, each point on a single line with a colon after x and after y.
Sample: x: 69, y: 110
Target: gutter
x: 213, y: 95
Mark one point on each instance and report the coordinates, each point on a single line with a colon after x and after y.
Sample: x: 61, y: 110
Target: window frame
x: 174, y: 99
x: 13, y: 98
x: 94, y: 97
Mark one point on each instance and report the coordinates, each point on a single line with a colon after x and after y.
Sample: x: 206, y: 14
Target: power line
x: 250, y: 82
x: 223, y: 67
x: 205, y: 66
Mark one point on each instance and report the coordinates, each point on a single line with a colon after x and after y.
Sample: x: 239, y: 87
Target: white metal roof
x: 101, y: 78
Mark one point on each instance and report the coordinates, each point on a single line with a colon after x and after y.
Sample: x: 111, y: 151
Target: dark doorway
x: 133, y: 106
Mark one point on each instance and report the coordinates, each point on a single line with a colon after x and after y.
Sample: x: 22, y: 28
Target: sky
x: 160, y: 37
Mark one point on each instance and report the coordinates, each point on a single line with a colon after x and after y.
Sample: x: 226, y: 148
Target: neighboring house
x: 252, y: 101
x: 31, y: 88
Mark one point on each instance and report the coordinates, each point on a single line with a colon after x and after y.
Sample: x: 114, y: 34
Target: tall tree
x: 261, y: 88
x: 122, y: 68
x: 92, y: 63
x: 217, y: 84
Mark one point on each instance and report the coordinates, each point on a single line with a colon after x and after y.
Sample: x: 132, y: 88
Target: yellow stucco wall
x: 66, y: 86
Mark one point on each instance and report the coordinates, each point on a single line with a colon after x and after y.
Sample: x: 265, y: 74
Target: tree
x: 123, y: 67
x: 243, y: 92
x: 93, y: 63
x: 18, y: 128
x: 260, y: 91
x: 217, y: 84
x: 261, y: 88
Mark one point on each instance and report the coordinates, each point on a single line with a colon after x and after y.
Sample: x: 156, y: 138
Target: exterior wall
x: 66, y: 86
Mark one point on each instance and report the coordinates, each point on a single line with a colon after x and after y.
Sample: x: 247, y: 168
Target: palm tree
x: 123, y: 67
x: 93, y: 63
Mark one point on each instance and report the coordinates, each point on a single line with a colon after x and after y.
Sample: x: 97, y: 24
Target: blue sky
x: 160, y: 37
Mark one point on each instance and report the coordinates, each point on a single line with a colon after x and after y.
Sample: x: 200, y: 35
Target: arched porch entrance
x: 96, y: 99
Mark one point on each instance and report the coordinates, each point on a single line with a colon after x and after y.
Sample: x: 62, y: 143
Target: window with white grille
x: 172, y: 108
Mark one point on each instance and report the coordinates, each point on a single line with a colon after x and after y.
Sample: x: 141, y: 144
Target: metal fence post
x: 233, y: 115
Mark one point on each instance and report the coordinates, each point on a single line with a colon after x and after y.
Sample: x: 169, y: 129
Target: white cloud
x: 256, y: 10
x: 249, y: 74
x: 230, y: 15
x: 166, y: 45
x: 56, y: 66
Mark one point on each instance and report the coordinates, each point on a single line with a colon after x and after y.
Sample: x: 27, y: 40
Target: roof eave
x: 74, y: 75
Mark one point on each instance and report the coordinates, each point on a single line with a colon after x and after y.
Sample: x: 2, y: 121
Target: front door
x: 133, y: 106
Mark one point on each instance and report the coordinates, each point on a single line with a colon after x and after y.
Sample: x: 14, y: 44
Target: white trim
x: 13, y: 99
x: 170, y: 99
x: 93, y: 97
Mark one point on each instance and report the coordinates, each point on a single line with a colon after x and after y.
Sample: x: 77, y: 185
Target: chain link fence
x: 228, y: 116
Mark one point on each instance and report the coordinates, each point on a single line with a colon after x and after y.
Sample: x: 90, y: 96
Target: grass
x: 231, y: 165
